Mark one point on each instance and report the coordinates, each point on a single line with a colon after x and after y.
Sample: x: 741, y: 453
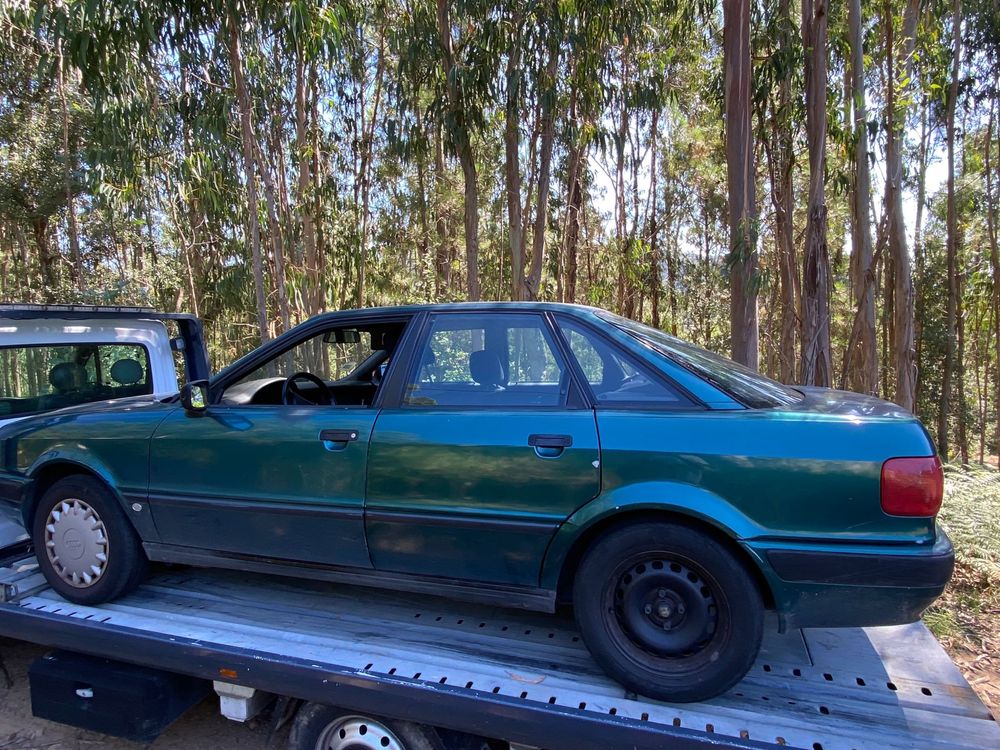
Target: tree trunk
x: 304, y: 189
x: 952, y: 223
x: 46, y: 260
x: 781, y: 161
x: 512, y: 168
x: 741, y: 177
x: 654, y: 229
x: 368, y: 121
x: 277, y: 242
x: 903, y: 337
x: 247, y: 136
x: 864, y: 372
x: 463, y: 149
x: 816, y: 365
x: 548, y: 97
x: 991, y: 224
x: 443, y: 258
x: 69, y: 165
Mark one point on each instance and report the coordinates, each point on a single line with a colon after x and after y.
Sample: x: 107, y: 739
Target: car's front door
x: 284, y: 481
x: 487, y: 452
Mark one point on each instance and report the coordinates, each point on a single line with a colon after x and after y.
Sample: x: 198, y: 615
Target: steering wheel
x: 292, y: 396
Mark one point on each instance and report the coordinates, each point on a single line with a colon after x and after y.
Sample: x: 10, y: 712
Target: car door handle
x: 550, y: 441
x: 338, y: 436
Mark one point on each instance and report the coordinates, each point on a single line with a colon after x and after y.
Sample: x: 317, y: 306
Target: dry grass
x: 967, y: 618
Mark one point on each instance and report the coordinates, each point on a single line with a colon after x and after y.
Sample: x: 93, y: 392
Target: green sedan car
x: 526, y: 455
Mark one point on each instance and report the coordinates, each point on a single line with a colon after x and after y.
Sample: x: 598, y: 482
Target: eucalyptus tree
x: 898, y: 58
x: 861, y: 356
x: 742, y: 178
x: 816, y: 363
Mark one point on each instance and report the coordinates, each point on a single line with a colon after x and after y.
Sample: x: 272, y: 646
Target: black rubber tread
x: 313, y: 719
x: 127, y: 563
x: 720, y: 664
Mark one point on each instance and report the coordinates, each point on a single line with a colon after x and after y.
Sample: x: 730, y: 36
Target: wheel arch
x: 46, y: 474
x: 626, y: 516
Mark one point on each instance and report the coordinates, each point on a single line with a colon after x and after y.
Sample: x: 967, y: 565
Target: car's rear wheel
x: 668, y: 611
x: 85, y: 545
x: 320, y: 727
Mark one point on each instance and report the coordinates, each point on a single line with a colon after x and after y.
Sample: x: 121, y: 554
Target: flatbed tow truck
x: 522, y: 678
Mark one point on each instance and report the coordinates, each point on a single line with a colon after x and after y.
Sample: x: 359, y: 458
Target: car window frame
x: 310, y: 329
x: 574, y: 399
x: 694, y: 404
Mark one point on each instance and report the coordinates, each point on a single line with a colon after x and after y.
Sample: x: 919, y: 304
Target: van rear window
x: 43, y: 377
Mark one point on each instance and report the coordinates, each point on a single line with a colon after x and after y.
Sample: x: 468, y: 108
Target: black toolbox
x: 122, y: 700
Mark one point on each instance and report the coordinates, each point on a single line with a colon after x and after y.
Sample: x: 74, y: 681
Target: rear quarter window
x: 43, y: 377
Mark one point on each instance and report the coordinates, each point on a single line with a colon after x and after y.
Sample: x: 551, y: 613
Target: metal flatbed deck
x: 520, y: 677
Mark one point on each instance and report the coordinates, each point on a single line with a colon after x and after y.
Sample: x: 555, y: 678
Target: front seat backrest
x: 485, y: 368
x: 126, y: 372
x: 67, y: 377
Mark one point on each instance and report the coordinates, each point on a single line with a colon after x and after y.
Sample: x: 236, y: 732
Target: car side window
x: 487, y: 359
x: 42, y: 377
x: 614, y: 376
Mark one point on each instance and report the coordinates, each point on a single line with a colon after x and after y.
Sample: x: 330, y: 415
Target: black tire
x: 668, y: 611
x: 315, y: 722
x: 126, y: 563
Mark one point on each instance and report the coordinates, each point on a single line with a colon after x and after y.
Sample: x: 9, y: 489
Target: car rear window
x: 743, y: 384
x: 42, y: 377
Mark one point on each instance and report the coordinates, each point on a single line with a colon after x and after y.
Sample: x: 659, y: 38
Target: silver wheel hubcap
x: 358, y: 733
x: 76, y: 543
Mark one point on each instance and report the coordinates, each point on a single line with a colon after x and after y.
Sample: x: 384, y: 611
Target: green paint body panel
x: 460, y: 494
x: 476, y: 469
x: 261, y: 482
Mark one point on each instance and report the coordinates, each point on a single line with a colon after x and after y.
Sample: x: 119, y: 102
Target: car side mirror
x: 194, y: 397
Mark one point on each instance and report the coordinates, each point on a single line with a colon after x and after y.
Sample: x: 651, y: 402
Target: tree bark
x: 443, y: 257
x: 548, y: 97
x: 654, y: 229
x: 816, y: 360
x: 69, y: 165
x: 741, y: 174
x: 991, y: 225
x: 368, y: 121
x: 512, y: 167
x: 952, y: 242
x: 864, y: 357
x: 463, y: 149
x: 304, y: 189
x: 903, y: 336
x: 247, y: 136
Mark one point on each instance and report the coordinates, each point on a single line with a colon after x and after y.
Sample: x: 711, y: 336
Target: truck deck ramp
x: 516, y: 676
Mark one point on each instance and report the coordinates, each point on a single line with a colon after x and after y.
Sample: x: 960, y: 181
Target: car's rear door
x: 489, y: 448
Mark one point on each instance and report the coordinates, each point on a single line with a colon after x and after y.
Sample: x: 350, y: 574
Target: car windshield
x: 743, y: 384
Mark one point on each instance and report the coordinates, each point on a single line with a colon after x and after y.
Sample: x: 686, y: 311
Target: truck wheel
x: 319, y: 727
x: 85, y: 545
x: 668, y: 611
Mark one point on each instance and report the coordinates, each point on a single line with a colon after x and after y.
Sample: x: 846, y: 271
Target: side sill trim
x: 461, y: 521
x: 519, y: 597
x: 263, y: 506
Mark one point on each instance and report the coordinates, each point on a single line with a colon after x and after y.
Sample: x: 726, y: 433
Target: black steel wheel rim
x: 665, y: 606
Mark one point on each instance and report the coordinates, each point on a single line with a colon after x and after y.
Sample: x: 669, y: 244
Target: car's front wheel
x: 85, y: 546
x: 668, y: 611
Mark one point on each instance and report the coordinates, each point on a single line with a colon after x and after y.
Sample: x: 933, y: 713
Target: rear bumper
x: 857, y: 587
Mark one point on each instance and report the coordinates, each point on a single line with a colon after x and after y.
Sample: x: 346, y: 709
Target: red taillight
x: 912, y: 486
